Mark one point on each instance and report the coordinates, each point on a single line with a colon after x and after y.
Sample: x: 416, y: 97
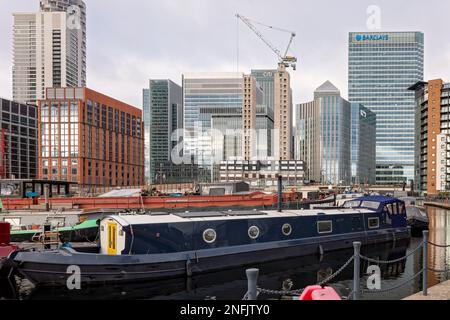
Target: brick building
x: 90, y: 138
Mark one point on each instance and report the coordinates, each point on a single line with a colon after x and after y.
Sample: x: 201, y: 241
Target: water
x: 301, y: 272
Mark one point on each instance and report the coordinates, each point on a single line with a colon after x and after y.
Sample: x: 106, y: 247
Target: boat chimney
x: 280, y: 192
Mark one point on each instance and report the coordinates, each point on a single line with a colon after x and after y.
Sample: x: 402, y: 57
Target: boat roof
x: 224, y: 215
x: 381, y: 199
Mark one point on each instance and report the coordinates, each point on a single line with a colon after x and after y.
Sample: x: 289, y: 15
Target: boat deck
x: 229, y: 215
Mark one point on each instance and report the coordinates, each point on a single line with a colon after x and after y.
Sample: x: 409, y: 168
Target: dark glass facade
x: 382, y: 66
x: 18, y: 140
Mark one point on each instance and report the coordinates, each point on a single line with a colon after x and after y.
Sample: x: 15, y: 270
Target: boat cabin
x: 162, y: 233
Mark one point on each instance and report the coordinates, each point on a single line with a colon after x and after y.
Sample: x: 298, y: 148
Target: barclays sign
x: 371, y: 37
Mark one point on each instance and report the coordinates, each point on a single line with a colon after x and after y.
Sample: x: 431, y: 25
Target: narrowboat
x: 149, y: 247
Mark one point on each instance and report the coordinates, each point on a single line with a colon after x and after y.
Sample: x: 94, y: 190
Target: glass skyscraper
x: 382, y: 66
x: 364, y: 123
x: 206, y: 95
x: 162, y: 103
x: 322, y: 136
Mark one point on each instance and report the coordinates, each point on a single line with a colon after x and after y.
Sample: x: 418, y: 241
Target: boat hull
x: 51, y: 268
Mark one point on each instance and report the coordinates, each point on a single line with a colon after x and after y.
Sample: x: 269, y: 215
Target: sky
x: 131, y: 41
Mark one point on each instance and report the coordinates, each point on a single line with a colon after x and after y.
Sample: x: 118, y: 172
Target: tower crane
x: 284, y: 59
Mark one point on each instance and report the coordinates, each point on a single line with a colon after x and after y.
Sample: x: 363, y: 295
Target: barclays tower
x: 382, y: 66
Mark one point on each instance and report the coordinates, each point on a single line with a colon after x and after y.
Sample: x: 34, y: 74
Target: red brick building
x: 90, y: 138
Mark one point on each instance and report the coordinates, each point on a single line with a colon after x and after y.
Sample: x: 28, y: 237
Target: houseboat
x: 144, y: 247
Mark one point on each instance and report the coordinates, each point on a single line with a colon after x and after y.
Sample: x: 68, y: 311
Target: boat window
x: 390, y: 209
x: 370, y: 204
x: 374, y: 223
x: 14, y: 223
x: 352, y: 204
x: 394, y: 208
x: 401, y: 208
x: 57, y: 222
x: 324, y: 226
x: 253, y: 232
x: 209, y: 236
x: 286, y: 229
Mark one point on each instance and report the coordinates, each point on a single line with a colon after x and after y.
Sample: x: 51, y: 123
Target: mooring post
x: 280, y: 192
x: 252, y: 283
x: 46, y: 196
x: 356, y: 270
x: 425, y: 263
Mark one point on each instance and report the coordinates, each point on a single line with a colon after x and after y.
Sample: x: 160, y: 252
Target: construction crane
x: 284, y: 59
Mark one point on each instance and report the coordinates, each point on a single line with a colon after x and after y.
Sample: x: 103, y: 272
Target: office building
x: 382, y: 66
x: 363, y: 145
x: 432, y: 143
x: 90, y: 138
x: 265, y: 113
x: 18, y: 140
x: 49, y: 49
x: 163, y: 115
x: 276, y: 115
x: 322, y: 136
x: 218, y: 108
x: 263, y: 174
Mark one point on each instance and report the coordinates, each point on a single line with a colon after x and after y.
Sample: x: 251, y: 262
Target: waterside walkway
x: 438, y: 292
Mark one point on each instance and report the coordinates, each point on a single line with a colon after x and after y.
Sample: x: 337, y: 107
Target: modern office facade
x: 18, y: 140
x: 382, y: 66
x: 265, y: 112
x: 91, y: 139
x: 363, y: 145
x: 323, y: 129
x: 49, y: 49
x: 307, y: 144
x: 163, y: 115
x: 432, y: 143
x: 263, y: 174
x: 213, y: 105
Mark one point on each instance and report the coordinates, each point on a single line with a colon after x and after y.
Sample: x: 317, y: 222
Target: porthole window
x: 209, y: 236
x: 286, y: 229
x: 253, y: 232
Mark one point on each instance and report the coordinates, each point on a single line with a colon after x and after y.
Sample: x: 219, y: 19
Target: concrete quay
x: 438, y: 292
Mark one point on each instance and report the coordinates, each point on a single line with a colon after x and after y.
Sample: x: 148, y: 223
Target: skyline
x: 187, y: 45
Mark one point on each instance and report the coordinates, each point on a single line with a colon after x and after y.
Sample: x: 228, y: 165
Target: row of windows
x: 323, y: 227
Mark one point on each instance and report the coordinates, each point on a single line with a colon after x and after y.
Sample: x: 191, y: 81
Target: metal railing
x: 253, y: 291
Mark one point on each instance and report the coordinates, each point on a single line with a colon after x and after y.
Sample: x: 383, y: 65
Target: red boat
x: 5, y: 247
x: 256, y: 199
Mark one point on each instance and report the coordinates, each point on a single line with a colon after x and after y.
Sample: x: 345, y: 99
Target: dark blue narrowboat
x: 144, y: 247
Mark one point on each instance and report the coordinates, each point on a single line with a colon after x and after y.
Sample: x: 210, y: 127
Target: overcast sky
x: 130, y: 41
